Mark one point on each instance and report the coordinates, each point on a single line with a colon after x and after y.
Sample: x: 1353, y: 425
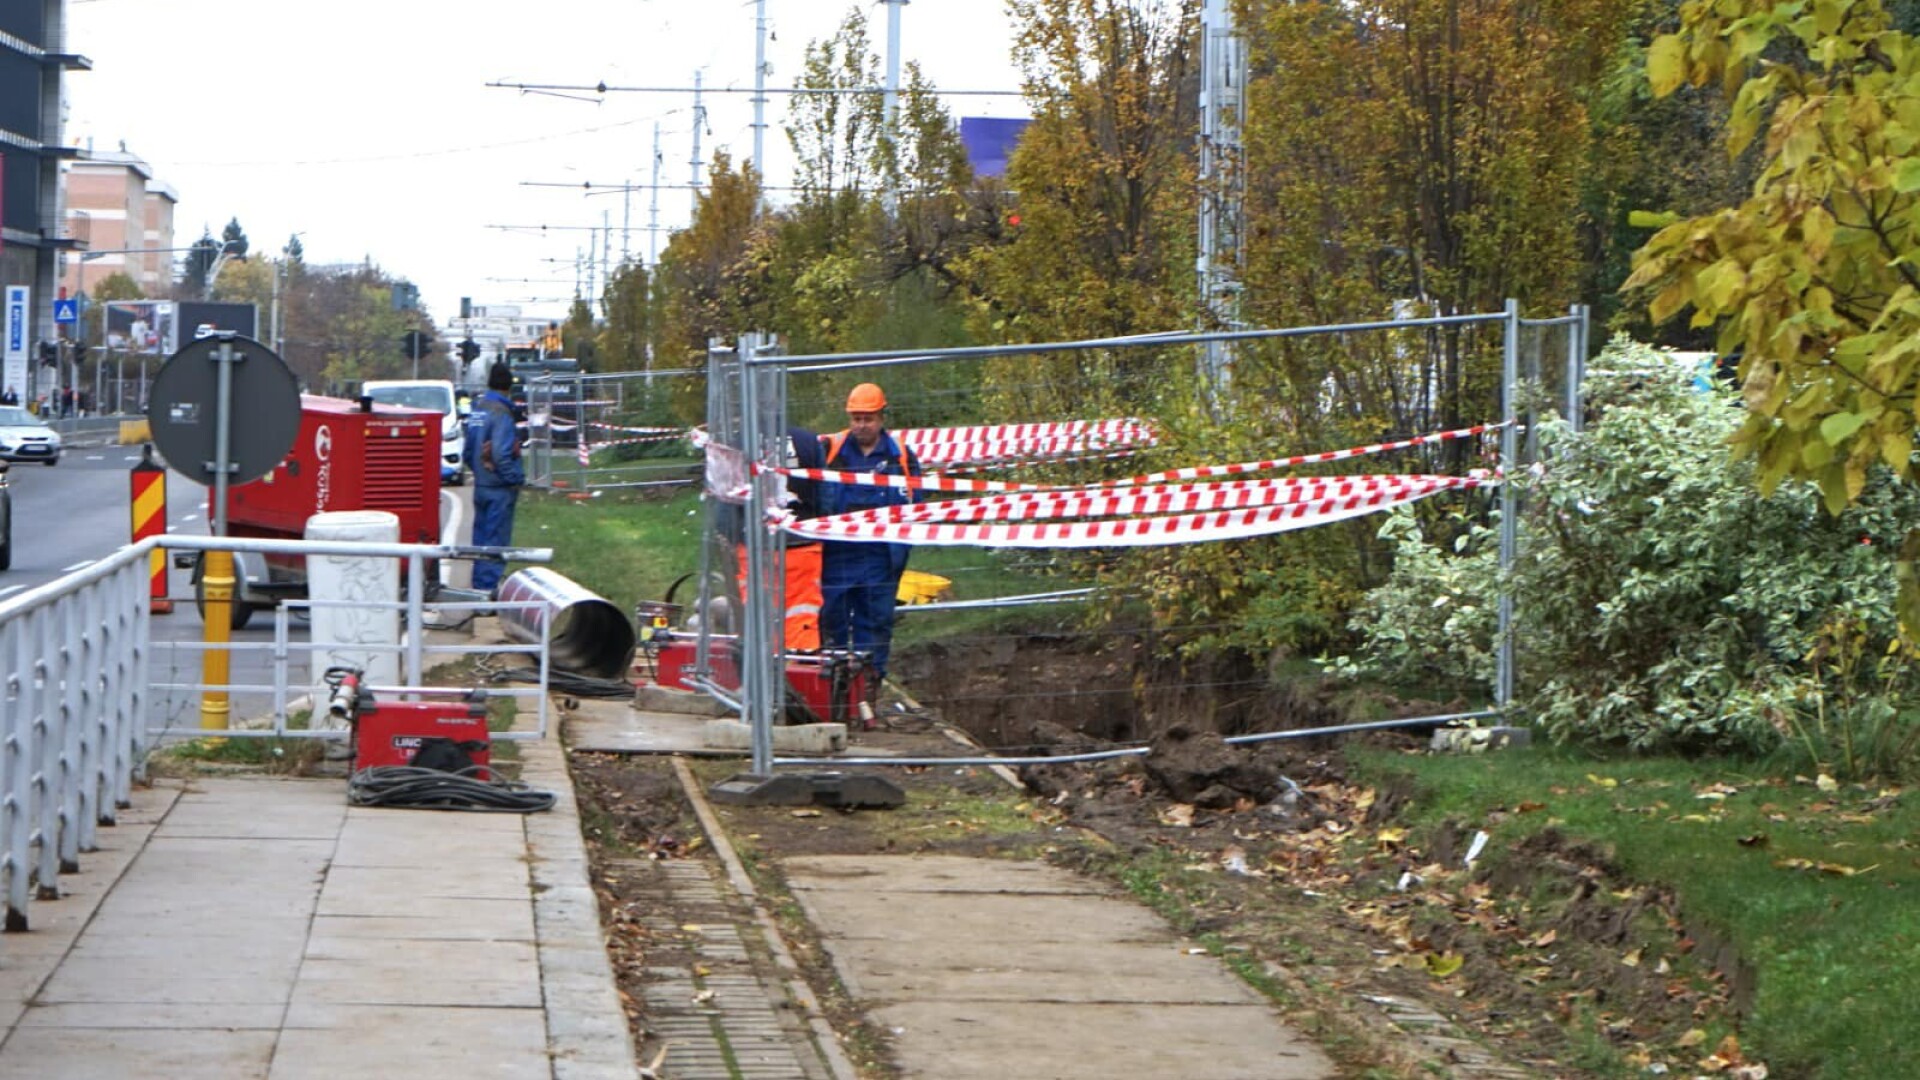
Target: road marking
x: 11, y: 588
x: 76, y: 566
x: 96, y: 457
x: 189, y: 517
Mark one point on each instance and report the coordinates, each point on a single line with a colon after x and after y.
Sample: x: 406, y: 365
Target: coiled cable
x: 409, y: 787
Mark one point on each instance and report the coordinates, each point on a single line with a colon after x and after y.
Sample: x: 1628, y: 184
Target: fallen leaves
x: 1727, y: 1058
x: 1178, y: 815
x: 1832, y: 869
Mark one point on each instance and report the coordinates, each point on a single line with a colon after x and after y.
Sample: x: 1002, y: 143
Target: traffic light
x: 49, y: 354
x: 469, y: 350
x: 416, y: 344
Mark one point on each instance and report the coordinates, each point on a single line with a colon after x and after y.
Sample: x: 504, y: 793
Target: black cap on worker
x: 500, y: 377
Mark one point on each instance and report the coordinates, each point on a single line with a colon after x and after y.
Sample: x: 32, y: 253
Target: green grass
x: 629, y: 547
x: 623, y: 546
x: 1834, y: 952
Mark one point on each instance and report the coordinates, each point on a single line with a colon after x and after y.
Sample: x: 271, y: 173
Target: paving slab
x: 883, y: 915
x: 984, y: 968
x: 179, y: 1015
x: 497, y: 880
x: 943, y: 873
x: 497, y: 1044
x: 958, y: 969
x: 120, y: 1053
x: 256, y: 928
x: 1051, y: 1041
x: 616, y: 727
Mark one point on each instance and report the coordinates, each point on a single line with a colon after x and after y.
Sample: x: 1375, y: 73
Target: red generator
x: 394, y: 732
x: 346, y: 457
x: 831, y: 685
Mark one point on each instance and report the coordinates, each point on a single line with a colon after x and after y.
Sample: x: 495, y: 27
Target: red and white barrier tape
x: 643, y: 440
x: 1135, y: 532
x: 938, y: 482
x: 1160, y: 499
x: 1128, y: 429
x: 676, y: 432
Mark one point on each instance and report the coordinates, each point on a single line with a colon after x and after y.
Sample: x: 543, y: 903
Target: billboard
x: 990, y: 141
x: 161, y: 327
x: 198, y: 318
x: 17, y: 329
x: 146, y: 327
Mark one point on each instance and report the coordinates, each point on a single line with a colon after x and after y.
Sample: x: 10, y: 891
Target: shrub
x: 1661, y: 602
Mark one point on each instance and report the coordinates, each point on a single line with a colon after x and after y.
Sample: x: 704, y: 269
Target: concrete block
x: 1479, y: 740
x: 725, y: 734
x: 684, y: 702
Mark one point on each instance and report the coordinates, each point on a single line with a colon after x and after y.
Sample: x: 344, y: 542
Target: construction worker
x: 493, y: 455
x: 858, y: 580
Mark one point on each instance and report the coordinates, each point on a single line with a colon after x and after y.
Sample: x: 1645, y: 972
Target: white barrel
x: 345, y: 590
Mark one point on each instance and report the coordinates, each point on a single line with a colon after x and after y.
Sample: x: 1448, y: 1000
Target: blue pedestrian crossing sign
x: 66, y: 311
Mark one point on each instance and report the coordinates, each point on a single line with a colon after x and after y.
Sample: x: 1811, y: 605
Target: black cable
x: 566, y: 682
x: 407, y: 787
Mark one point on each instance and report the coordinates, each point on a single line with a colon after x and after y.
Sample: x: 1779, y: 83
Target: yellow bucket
x: 917, y: 587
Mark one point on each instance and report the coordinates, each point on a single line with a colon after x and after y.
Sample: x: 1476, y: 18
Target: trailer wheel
x: 242, y: 612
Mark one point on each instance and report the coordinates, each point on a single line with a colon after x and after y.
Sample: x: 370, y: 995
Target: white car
x: 24, y: 438
x: 431, y: 394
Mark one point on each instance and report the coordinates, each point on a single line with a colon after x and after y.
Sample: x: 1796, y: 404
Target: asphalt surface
x: 72, y: 514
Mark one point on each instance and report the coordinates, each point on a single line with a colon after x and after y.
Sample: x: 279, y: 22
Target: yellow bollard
x: 216, y: 579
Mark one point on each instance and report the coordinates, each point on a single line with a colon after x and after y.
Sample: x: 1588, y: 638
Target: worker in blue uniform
x: 859, y: 580
x: 493, y: 454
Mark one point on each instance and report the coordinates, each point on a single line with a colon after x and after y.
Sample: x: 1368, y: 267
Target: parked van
x: 434, y: 394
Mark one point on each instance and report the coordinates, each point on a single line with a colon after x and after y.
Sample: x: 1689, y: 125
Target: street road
x: 78, y: 511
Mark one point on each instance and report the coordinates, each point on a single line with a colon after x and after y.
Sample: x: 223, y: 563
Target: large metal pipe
x: 586, y: 634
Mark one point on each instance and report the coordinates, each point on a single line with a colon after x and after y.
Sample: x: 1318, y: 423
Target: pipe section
x: 586, y: 634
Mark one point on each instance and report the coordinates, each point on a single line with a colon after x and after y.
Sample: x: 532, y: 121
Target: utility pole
x: 699, y: 121
x: 1222, y: 119
x: 653, y: 208
x: 606, y: 245
x: 760, y: 93
x: 626, y: 220
x: 891, y: 97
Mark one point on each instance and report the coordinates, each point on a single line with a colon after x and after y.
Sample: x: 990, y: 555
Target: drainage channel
x: 713, y: 1013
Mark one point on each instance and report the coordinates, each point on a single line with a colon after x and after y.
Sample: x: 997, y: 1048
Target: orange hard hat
x: 866, y: 398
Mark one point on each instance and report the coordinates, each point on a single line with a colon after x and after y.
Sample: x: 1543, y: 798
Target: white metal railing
x: 282, y: 647
x: 76, y: 700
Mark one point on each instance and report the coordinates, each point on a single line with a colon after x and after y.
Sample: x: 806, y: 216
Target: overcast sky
x: 367, y: 125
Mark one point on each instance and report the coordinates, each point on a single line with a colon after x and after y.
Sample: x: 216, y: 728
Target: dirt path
x: 1247, y: 859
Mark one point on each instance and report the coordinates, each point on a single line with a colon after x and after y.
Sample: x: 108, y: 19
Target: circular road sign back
x: 263, y: 415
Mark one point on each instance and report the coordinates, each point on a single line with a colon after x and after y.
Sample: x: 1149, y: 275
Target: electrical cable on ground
x: 404, y: 786
x: 566, y: 682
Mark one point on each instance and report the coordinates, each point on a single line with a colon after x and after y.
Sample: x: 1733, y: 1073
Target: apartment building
x: 122, y: 218
x: 33, y: 61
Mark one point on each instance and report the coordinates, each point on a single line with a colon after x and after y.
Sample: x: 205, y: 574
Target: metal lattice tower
x: 1223, y: 114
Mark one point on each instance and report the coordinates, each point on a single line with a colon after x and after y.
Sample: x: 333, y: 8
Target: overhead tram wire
x: 612, y: 189
x: 603, y: 88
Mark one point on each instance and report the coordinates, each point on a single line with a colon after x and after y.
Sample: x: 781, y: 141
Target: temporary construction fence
x: 621, y: 430
x: 1073, y: 482
x: 87, y: 694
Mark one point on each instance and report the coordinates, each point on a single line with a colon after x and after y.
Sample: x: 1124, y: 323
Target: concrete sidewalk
x: 989, y: 968
x: 260, y: 927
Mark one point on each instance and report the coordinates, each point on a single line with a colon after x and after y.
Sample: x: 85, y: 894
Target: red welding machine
x: 445, y: 735
x: 825, y: 686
